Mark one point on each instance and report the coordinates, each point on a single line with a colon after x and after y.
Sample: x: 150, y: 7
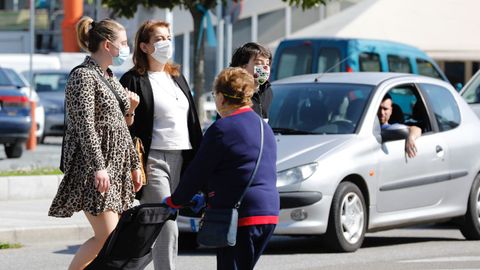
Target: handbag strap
x: 237, y: 205
x: 108, y: 84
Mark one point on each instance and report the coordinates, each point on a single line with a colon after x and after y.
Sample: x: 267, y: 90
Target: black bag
x: 218, y: 227
x: 129, y: 245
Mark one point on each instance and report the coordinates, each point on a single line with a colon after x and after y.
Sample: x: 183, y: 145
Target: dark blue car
x: 15, y: 120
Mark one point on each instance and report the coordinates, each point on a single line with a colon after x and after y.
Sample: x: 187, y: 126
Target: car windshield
x: 316, y: 108
x: 50, y: 82
x: 472, y: 91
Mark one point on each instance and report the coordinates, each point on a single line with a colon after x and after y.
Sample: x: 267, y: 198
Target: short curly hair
x: 236, y: 85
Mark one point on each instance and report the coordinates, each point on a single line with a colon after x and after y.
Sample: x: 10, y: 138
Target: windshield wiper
x: 291, y: 131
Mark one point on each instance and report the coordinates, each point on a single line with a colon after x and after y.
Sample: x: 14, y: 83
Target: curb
x: 46, y: 234
x: 29, y: 187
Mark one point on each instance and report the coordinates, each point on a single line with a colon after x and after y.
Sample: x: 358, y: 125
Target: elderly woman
x: 224, y: 164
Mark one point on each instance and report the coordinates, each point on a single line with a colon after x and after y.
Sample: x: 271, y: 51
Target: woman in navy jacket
x: 224, y: 164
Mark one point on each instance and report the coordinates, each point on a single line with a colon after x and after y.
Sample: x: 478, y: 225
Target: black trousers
x: 251, y: 242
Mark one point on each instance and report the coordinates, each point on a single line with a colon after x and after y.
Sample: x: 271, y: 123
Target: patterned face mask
x: 261, y: 73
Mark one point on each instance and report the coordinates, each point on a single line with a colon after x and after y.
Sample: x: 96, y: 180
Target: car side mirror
x: 394, y: 132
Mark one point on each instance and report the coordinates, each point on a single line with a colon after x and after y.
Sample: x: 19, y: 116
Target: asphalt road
x: 412, y: 248
x: 45, y: 155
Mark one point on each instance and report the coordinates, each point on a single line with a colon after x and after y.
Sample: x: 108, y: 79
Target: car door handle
x: 438, y: 149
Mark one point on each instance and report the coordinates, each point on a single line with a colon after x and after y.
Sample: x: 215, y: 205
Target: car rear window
x: 50, y: 82
x: 327, y: 108
x: 471, y: 94
x: 444, y: 106
x: 399, y: 64
x: 426, y: 68
x: 328, y: 60
x: 295, y: 61
x: 370, y: 62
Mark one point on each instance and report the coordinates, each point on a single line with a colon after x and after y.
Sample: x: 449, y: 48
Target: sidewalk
x: 24, y: 204
x: 27, y: 222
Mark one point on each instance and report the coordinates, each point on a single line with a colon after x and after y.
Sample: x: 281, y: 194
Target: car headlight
x: 295, y: 175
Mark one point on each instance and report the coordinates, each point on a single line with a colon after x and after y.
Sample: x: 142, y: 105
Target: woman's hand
x: 134, y: 100
x: 102, y: 181
x: 137, y: 179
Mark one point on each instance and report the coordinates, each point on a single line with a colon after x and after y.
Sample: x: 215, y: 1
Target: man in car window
x: 385, y: 112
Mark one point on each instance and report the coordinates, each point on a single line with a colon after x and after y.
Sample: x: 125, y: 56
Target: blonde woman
x: 99, y: 158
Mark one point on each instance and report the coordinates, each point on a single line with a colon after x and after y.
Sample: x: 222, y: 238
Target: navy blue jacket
x: 224, y: 163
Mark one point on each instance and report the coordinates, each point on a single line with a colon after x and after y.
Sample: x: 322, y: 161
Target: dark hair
x: 242, y: 55
x: 140, y: 58
x: 236, y: 85
x: 387, y: 96
x: 90, y: 33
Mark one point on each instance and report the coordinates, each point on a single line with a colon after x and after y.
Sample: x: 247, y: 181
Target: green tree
x: 128, y: 8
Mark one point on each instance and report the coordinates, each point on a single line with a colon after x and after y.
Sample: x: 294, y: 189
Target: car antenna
x: 332, y: 67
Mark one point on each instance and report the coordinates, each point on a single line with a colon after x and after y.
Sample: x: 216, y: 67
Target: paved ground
x: 45, y: 155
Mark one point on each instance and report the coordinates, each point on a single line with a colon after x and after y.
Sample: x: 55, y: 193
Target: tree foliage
x: 305, y: 4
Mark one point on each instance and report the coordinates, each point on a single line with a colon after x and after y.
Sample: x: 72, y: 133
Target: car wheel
x: 14, y: 150
x: 470, y: 227
x: 347, y: 221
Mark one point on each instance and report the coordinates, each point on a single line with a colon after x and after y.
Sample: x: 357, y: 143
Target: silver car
x: 341, y: 175
x: 471, y: 93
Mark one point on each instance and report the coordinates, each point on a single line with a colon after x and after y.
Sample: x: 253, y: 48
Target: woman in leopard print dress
x: 99, y: 157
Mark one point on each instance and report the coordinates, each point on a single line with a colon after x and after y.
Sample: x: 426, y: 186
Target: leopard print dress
x: 96, y: 138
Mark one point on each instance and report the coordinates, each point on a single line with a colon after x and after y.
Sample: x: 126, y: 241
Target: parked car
x: 50, y: 86
x: 317, y: 55
x: 340, y: 174
x: 15, y: 120
x: 9, y: 77
x: 471, y: 93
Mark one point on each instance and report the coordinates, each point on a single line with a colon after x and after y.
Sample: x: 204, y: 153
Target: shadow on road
x: 69, y: 250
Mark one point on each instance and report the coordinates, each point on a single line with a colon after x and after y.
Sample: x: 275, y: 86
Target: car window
x: 318, y: 108
x: 369, y: 62
x: 472, y: 91
x: 295, y: 61
x: 15, y: 78
x: 426, y: 68
x: 328, y: 60
x: 398, y: 63
x: 50, y: 82
x: 408, y: 108
x: 444, y: 106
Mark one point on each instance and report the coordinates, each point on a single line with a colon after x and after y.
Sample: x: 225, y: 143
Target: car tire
x: 470, y: 227
x: 14, y: 150
x: 348, y: 219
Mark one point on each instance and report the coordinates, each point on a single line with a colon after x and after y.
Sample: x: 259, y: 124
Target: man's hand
x: 410, y: 148
x: 137, y: 180
x: 102, y: 181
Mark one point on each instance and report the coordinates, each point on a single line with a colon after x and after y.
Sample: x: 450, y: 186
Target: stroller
x: 129, y: 245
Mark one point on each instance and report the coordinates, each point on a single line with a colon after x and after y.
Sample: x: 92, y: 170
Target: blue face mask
x: 122, y: 56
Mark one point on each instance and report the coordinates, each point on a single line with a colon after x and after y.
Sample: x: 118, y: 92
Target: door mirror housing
x: 394, y: 132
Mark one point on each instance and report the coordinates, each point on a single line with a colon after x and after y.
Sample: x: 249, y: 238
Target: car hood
x: 296, y: 150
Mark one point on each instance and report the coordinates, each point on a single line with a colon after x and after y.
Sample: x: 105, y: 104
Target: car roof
x: 369, y: 78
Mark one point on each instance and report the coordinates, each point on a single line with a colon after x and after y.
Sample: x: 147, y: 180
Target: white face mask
x: 163, y: 51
